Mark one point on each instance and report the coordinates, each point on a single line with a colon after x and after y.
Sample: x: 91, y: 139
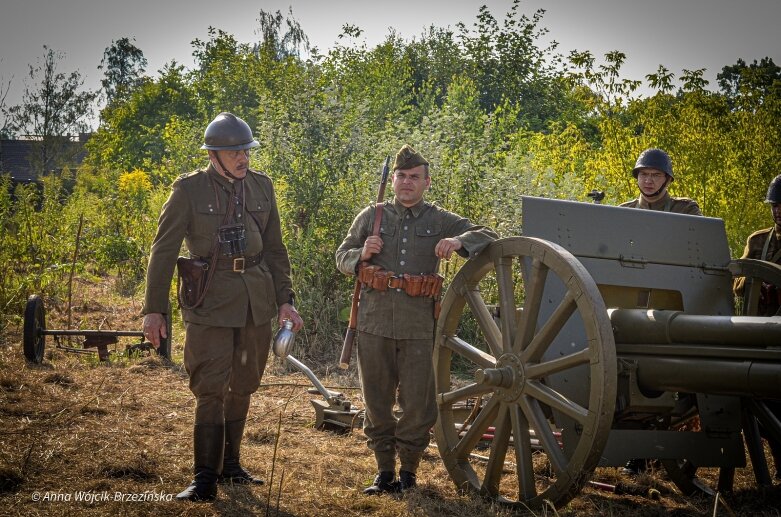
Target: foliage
x: 497, y: 114
x: 124, y: 65
x: 52, y: 110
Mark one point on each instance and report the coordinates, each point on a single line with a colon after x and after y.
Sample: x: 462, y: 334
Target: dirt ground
x: 82, y: 437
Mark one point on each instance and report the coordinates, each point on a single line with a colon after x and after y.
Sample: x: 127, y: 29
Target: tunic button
x: 404, y: 239
x: 211, y: 210
x: 402, y: 262
x: 398, y: 290
x: 403, y: 251
x: 405, y: 227
x: 428, y: 231
x: 407, y: 216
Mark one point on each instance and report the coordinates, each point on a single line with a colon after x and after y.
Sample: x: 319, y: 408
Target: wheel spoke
x: 475, y: 433
x: 523, y: 454
x: 467, y: 351
x: 538, y: 371
x: 557, y: 401
x: 472, y: 390
x: 487, y: 324
x: 535, y: 286
x: 544, y: 434
x: 493, y: 471
x: 550, y: 330
x: 504, y: 279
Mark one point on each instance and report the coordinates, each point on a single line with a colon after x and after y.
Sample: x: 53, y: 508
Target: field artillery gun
x: 598, y: 337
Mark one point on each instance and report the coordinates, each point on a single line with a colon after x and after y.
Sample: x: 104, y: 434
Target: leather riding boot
x: 407, y: 480
x: 232, y: 471
x: 208, y: 443
x: 384, y: 482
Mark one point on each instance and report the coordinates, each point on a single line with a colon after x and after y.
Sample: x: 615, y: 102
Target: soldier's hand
x: 372, y: 246
x: 445, y: 248
x: 288, y: 312
x: 154, y: 328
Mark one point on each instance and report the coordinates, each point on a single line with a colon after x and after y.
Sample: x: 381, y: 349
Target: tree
x: 741, y: 78
x: 52, y: 110
x: 124, y: 65
x: 274, y: 42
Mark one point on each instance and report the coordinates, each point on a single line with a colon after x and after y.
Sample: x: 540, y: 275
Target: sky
x: 679, y: 34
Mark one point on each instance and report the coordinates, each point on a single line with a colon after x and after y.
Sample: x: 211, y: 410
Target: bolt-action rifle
x: 349, y: 337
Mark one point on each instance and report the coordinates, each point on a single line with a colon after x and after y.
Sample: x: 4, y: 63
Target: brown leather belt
x: 414, y: 285
x: 237, y: 264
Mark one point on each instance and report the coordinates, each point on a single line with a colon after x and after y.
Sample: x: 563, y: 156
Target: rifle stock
x: 349, y: 336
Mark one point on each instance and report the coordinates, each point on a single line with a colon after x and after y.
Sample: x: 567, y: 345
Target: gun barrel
x: 712, y: 376
x: 639, y: 326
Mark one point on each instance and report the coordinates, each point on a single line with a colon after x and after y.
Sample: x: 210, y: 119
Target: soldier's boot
x: 208, y: 445
x: 410, y: 460
x: 407, y: 480
x: 232, y: 471
x: 384, y: 482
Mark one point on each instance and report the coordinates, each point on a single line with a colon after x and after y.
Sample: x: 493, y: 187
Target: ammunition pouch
x: 192, y: 278
x: 414, y: 285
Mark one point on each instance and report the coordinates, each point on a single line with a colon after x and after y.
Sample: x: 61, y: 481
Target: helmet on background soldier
x: 774, y: 191
x: 654, y: 159
x: 227, y: 132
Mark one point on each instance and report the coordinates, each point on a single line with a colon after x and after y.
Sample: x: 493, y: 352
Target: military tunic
x: 396, y: 331
x: 227, y: 338
x: 409, y: 236
x: 755, y: 245
x: 193, y: 213
x: 676, y: 205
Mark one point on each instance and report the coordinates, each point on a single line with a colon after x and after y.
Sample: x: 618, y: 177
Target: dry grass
x: 74, y: 426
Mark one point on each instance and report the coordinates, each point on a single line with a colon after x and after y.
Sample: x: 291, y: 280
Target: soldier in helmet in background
x: 654, y: 173
x: 766, y: 245
x: 227, y: 216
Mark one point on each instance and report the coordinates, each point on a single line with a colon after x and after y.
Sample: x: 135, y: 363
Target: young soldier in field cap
x: 396, y: 315
x: 227, y: 217
x: 654, y: 173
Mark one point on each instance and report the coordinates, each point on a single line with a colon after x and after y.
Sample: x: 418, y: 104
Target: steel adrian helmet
x: 227, y: 132
x: 654, y: 159
x: 774, y: 191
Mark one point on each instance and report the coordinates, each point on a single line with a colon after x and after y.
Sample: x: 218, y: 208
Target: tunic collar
x: 222, y: 180
x: 415, y: 209
x: 659, y: 204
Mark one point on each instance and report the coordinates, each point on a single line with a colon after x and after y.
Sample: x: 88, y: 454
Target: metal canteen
x: 283, y: 340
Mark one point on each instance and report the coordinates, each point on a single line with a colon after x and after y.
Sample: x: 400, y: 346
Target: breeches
x: 225, y: 365
x: 387, y: 366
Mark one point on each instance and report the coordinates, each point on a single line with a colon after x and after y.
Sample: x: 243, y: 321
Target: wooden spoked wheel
x: 540, y: 378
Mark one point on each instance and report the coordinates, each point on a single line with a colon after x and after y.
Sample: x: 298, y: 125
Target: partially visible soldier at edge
x: 766, y: 245
x: 654, y: 173
x: 227, y: 216
x: 396, y: 324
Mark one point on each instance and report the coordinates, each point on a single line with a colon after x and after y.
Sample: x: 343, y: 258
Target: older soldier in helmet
x: 396, y: 318
x: 227, y: 216
x: 654, y: 173
x: 766, y: 245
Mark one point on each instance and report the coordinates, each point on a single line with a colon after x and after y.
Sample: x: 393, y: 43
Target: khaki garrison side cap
x: 408, y: 158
